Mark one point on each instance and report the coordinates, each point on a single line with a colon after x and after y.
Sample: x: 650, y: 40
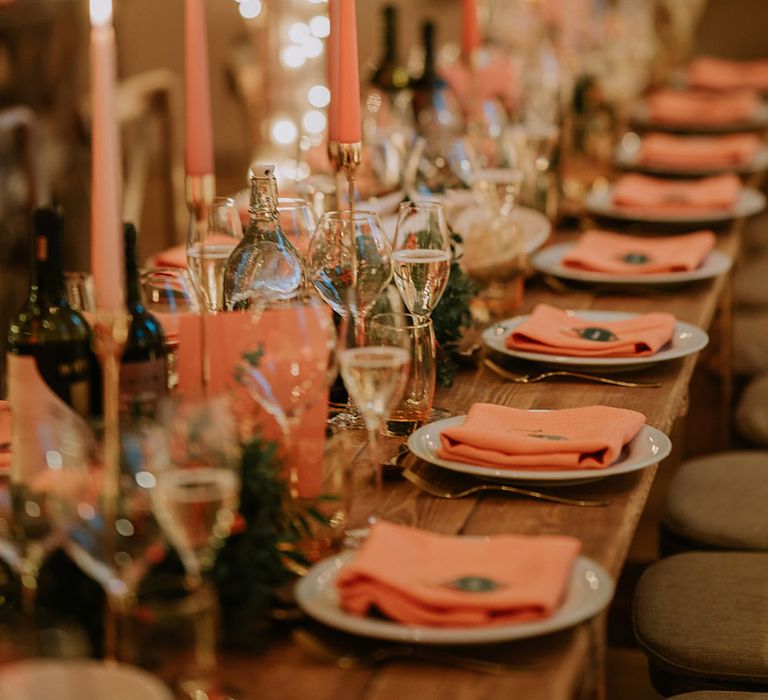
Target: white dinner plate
x: 750, y: 202
x: 686, y: 340
x: 535, y: 226
x: 36, y: 679
x: 589, y: 590
x: 550, y: 262
x: 648, y: 447
x: 641, y: 118
x: 627, y: 158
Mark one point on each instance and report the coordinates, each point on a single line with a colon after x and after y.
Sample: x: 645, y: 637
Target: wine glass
x: 209, y: 248
x: 422, y: 255
x: 349, y: 249
x: 298, y: 222
x: 196, y: 493
x: 293, y: 365
x: 530, y: 146
x: 374, y: 368
x: 494, y: 251
x: 168, y: 294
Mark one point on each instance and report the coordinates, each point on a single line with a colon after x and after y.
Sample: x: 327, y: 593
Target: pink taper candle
x: 332, y: 54
x: 106, y: 177
x: 470, y: 29
x: 199, y: 160
x: 349, y: 129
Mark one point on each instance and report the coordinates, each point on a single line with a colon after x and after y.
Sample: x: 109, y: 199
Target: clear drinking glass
x: 209, y: 249
x: 168, y: 293
x: 349, y: 249
x: 80, y: 291
x: 422, y: 255
x: 415, y: 405
x: 530, y: 146
x: 298, y: 221
x: 494, y: 251
x: 292, y: 364
x: 375, y: 369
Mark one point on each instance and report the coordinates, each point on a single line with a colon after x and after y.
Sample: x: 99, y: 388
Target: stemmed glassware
x: 292, y: 364
x: 375, y: 368
x: 350, y: 250
x: 422, y: 255
x: 209, y: 249
x: 530, y: 146
x: 298, y: 222
x: 169, y: 293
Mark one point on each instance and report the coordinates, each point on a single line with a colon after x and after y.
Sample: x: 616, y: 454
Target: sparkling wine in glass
x: 375, y: 370
x: 207, y: 257
x: 422, y: 255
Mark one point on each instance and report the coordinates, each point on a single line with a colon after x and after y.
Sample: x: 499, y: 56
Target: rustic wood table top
x: 561, y: 665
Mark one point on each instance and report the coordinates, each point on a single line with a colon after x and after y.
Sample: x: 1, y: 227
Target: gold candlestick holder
x: 200, y: 191
x: 110, y: 335
x: 345, y: 159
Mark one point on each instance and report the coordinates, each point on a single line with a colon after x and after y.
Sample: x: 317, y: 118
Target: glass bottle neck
x: 132, y: 284
x: 48, y: 278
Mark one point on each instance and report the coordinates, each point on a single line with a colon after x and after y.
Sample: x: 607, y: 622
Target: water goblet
x: 298, y: 222
x: 209, y: 248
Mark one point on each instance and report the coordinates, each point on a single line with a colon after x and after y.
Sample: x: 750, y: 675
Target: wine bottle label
x: 142, y: 385
x: 45, y: 430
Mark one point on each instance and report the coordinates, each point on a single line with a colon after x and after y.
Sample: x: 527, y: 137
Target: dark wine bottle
x: 144, y: 366
x: 433, y: 104
x: 389, y: 75
x: 49, y: 342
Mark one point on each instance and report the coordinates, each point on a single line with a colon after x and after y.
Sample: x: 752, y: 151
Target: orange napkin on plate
x: 556, y: 332
x: 591, y: 437
x: 426, y: 579
x: 699, y: 107
x: 714, y: 73
x: 605, y: 251
x: 5, y: 434
x: 676, y: 197
x: 727, y: 151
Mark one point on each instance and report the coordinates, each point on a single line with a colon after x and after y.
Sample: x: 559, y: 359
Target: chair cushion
x: 719, y: 501
x: 701, y: 617
x: 749, y: 288
x: 752, y: 411
x: 750, y: 351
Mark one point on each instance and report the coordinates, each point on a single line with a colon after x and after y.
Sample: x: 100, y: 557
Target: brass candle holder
x: 110, y: 335
x: 345, y: 159
x: 199, y: 193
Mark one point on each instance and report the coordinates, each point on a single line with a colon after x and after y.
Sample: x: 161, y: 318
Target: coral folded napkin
x: 591, y: 437
x: 423, y: 578
x: 667, y: 150
x: 556, y: 332
x: 171, y: 257
x: 725, y: 74
x: 605, y: 251
x: 699, y: 107
x: 654, y: 195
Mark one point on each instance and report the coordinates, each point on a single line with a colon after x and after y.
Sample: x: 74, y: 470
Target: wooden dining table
x: 569, y: 663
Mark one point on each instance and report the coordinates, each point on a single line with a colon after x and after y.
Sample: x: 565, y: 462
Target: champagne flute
x: 375, y: 370
x: 422, y: 255
x: 209, y: 249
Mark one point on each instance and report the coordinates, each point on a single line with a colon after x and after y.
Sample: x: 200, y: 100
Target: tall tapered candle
x: 332, y: 53
x: 106, y: 180
x: 199, y: 152
x: 347, y: 114
x: 470, y: 29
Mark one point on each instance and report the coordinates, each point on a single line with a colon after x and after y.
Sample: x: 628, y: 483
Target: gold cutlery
x: 531, y: 378
x: 345, y: 658
x: 461, y: 486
